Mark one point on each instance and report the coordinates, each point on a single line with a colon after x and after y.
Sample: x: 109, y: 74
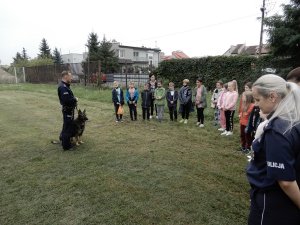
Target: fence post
x: 24, y: 76
x: 15, y: 74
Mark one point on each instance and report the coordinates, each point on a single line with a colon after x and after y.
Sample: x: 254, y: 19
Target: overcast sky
x: 197, y: 27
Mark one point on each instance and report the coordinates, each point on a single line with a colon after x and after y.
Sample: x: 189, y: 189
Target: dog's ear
x: 84, y: 111
x: 79, y: 111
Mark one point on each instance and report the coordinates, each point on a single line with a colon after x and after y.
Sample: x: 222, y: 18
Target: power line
x: 197, y: 28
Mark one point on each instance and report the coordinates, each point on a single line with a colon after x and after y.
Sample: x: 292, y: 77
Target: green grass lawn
x: 143, y: 173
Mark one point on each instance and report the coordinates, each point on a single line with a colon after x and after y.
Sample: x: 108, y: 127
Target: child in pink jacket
x: 230, y: 101
x: 221, y: 109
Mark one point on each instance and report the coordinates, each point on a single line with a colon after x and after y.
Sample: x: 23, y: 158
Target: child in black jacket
x: 172, y: 98
x: 146, y: 96
x: 117, y: 99
x: 253, y: 122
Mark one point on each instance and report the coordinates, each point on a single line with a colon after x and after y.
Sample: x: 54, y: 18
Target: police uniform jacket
x: 276, y: 156
x: 66, y: 97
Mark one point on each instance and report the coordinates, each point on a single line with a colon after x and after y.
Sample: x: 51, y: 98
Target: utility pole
x: 262, y: 9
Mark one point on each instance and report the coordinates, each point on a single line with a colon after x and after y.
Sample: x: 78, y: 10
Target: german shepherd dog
x: 78, y: 127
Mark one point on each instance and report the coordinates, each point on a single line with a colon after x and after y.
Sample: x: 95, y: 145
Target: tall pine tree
x: 93, y: 47
x: 57, y: 57
x: 18, y: 59
x: 24, y: 55
x: 45, y: 51
x: 109, y: 61
x: 284, y: 32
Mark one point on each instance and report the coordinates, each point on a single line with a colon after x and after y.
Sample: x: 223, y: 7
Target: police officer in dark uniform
x: 68, y: 103
x: 274, y: 171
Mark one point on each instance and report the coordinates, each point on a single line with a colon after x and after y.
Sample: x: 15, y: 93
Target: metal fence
x: 12, y: 75
x: 124, y: 79
x: 85, y: 74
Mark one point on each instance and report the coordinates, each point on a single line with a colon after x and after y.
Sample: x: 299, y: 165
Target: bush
x: 211, y: 69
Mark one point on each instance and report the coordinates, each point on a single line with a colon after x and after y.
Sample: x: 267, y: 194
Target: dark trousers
x: 152, y: 107
x: 118, y: 117
x: 66, y: 133
x: 246, y: 139
x: 200, y: 115
x: 173, y: 112
x: 132, y: 111
x: 229, y: 119
x: 272, y: 208
x: 146, y: 112
x: 186, y: 110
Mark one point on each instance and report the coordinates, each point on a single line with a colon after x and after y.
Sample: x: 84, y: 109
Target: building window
x: 136, y: 54
x: 121, y: 53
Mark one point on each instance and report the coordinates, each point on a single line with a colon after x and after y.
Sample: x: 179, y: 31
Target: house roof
x: 251, y: 50
x: 180, y: 55
x: 140, y: 48
x: 236, y: 49
x: 247, y: 50
x: 176, y: 55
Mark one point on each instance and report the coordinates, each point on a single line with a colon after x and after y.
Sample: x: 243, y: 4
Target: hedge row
x: 212, y: 69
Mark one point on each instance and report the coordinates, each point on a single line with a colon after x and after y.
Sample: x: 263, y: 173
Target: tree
x: 109, y: 61
x: 39, y: 61
x: 21, y: 59
x: 45, y: 51
x: 24, y: 55
x: 284, y: 32
x: 93, y: 47
x: 57, y: 57
x: 18, y: 59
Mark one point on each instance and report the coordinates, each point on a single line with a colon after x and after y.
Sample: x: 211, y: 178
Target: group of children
x: 224, y: 101
x: 154, y: 96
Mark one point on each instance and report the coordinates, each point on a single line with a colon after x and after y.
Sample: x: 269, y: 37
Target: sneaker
x: 229, y: 133
x: 241, y: 149
x: 224, y: 133
x: 246, y: 151
x: 201, y: 125
x: 221, y: 129
x: 185, y: 121
x: 156, y: 117
x: 117, y: 121
x: 198, y: 123
x: 181, y: 121
x: 150, y: 117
